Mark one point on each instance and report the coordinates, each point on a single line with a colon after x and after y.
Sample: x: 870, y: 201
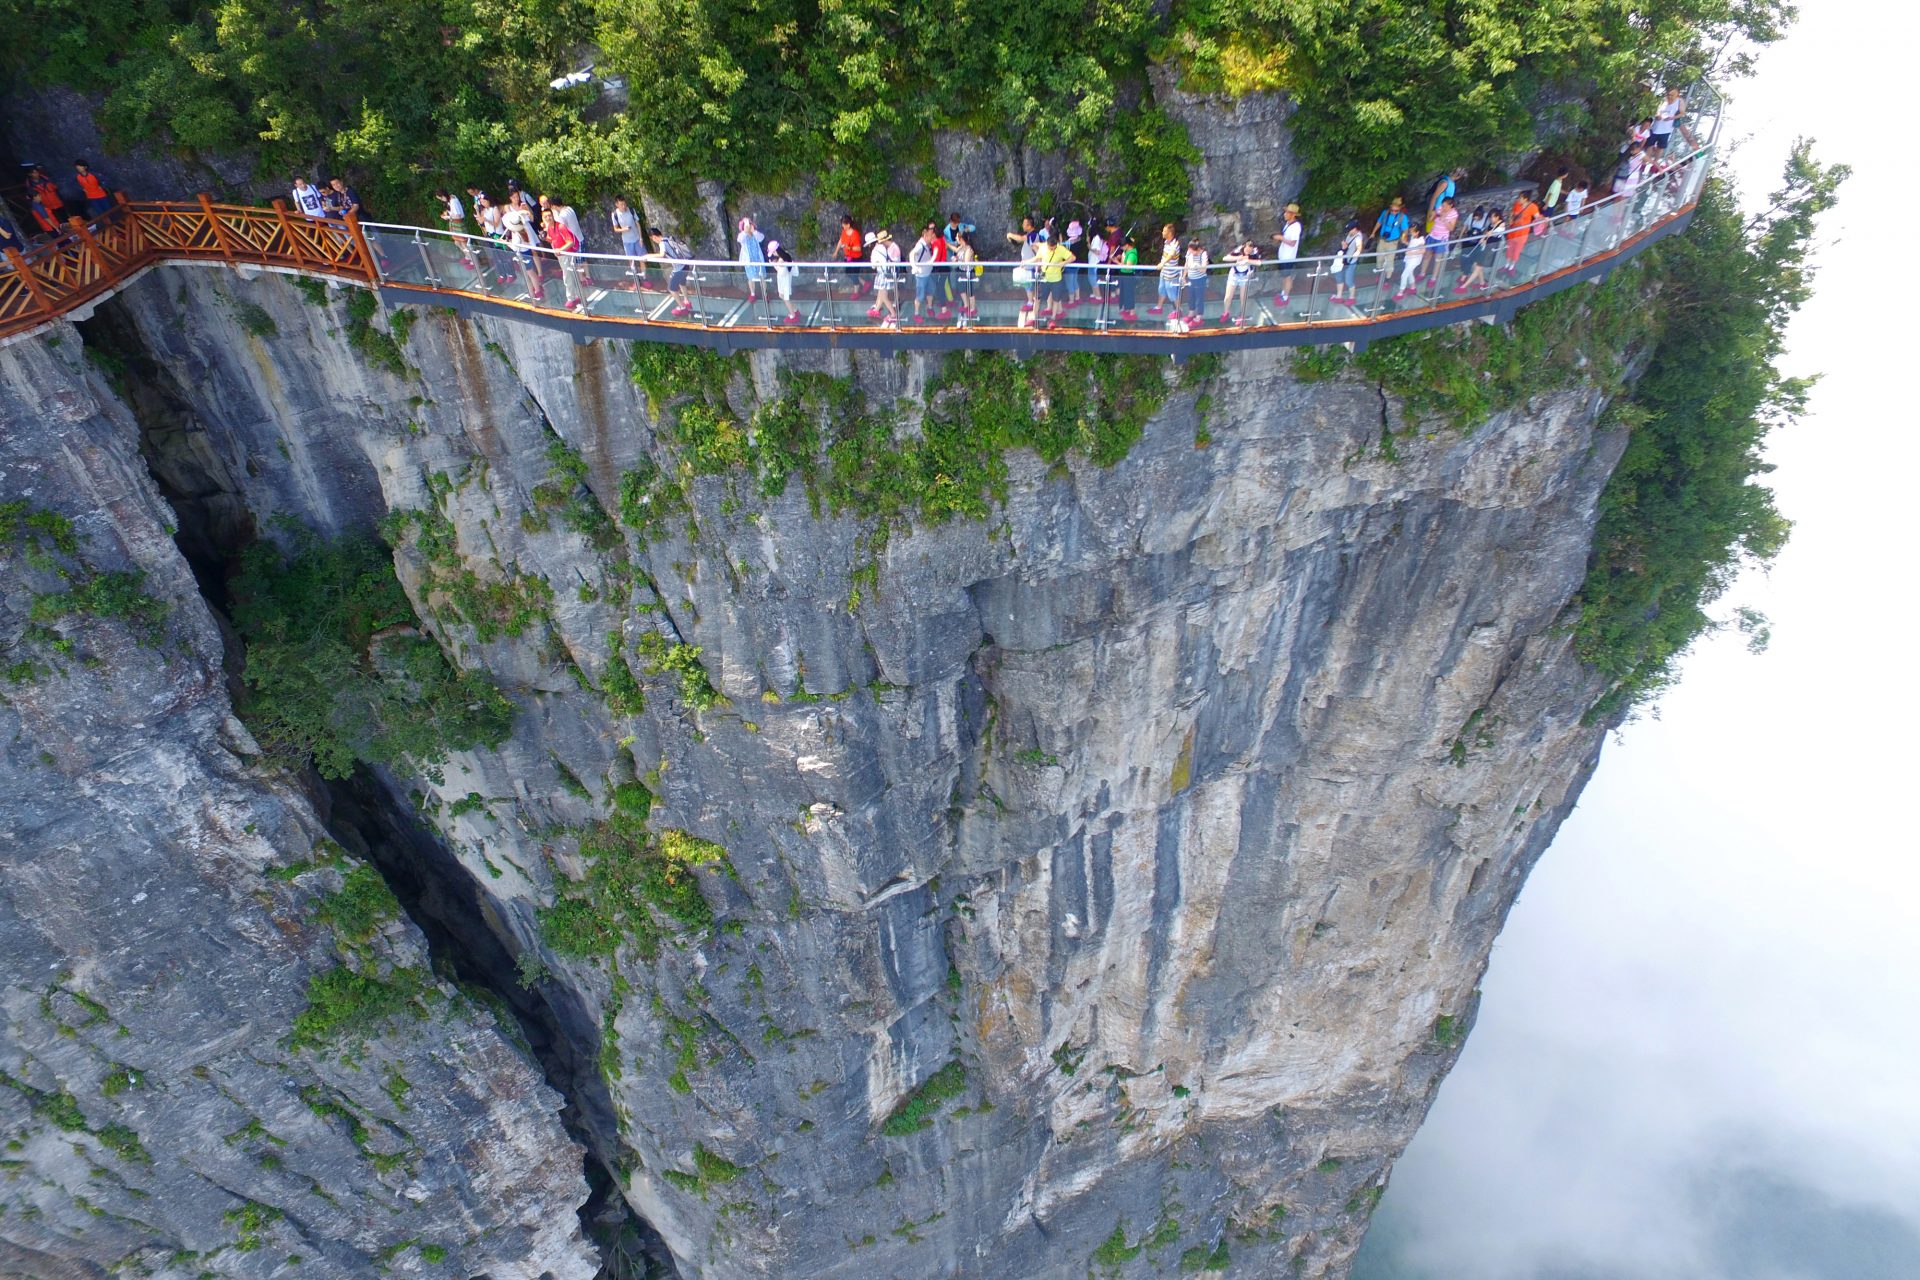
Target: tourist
x: 499, y: 256
x: 885, y: 255
x: 1027, y: 274
x: 1346, y: 265
x: 783, y: 279
x: 627, y: 227
x: 44, y: 198
x: 1413, y: 260
x: 1027, y: 235
x: 1287, y: 250
x: 752, y: 257
x: 1485, y: 250
x: 1439, y: 238
x: 1173, y: 275
x: 966, y: 274
x: 1388, y: 229
x: 1127, y: 264
x: 1632, y: 167
x: 94, y: 188
x: 565, y: 212
x: 1055, y: 258
x: 1239, y: 280
x: 340, y: 199
x: 1196, y: 273
x: 1671, y: 111
x: 1520, y: 225
x: 307, y: 201
x: 922, y: 259
x: 566, y: 248
x: 518, y: 226
x: 1106, y: 254
x: 454, y: 214
x: 952, y: 232
x: 853, y: 252
x: 1550, y: 203
x: 1577, y: 196
x: 10, y: 238
x: 679, y: 259
x: 1444, y: 189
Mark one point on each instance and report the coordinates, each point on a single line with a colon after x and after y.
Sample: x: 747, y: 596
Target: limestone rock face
x: 1110, y: 879
x: 151, y: 964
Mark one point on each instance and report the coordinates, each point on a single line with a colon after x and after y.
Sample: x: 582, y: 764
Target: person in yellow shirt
x: 1054, y: 260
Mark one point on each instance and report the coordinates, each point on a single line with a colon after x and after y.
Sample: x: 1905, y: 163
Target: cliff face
x: 1106, y: 882
x: 156, y: 945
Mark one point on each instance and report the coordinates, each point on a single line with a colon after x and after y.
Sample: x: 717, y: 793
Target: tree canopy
x: 409, y: 94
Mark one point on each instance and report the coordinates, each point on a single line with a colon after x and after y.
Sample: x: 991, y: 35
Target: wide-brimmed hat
x: 773, y: 246
x: 871, y: 237
x: 1074, y: 228
x: 883, y: 234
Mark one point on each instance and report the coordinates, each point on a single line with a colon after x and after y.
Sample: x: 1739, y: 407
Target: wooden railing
x: 92, y: 257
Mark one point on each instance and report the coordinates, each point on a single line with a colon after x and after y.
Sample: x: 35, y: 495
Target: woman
x: 1346, y: 266
x: 1196, y: 272
x: 1173, y: 276
x: 1076, y: 244
x: 1439, y: 237
x: 566, y: 246
x: 753, y: 256
x: 966, y: 273
x: 885, y: 256
x: 1239, y: 278
x: 1288, y: 251
x: 1485, y: 252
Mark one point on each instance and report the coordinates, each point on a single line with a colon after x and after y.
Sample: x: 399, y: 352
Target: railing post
x: 89, y: 245
x: 368, y: 263
x: 286, y: 229
x: 124, y: 207
x: 219, y: 232
x: 25, y: 271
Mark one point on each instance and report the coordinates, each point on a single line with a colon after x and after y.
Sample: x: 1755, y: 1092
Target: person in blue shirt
x: 1388, y: 230
x: 1443, y: 190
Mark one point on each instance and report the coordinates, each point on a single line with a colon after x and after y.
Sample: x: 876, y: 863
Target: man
x: 306, y: 200
x: 1388, y: 229
x: 924, y: 260
x: 340, y: 199
x: 627, y: 227
x: 1672, y: 111
x: 678, y: 257
x: 44, y: 195
x: 93, y: 187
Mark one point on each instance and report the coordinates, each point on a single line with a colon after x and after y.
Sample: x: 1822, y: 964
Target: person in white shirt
x: 1287, y: 249
x: 1671, y: 111
x: 885, y: 255
x: 306, y: 199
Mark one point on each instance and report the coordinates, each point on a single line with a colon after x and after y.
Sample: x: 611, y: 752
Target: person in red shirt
x: 46, y: 199
x: 853, y: 249
x: 566, y: 246
x: 93, y: 187
x: 1520, y: 223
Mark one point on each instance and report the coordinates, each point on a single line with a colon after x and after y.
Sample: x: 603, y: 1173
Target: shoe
x: 919, y: 319
x: 573, y: 304
x: 1154, y: 311
x: 1461, y: 287
x: 793, y: 317
x: 873, y: 313
x: 1128, y: 316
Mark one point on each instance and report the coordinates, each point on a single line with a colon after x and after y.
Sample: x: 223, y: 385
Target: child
x: 1577, y: 197
x: 1415, y: 258
x: 1239, y: 278
x: 1127, y: 263
x: 783, y: 279
x: 1197, y: 263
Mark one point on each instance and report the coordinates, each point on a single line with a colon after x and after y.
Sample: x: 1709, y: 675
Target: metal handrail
x: 89, y: 259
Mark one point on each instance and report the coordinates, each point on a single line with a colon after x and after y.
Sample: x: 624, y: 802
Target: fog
x: 1699, y: 1046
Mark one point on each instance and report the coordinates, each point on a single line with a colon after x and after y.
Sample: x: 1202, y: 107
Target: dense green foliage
x: 759, y: 93
x: 639, y: 887
x: 856, y: 459
x: 917, y: 1110
x: 347, y: 1004
x: 1683, y: 514
x: 1391, y: 89
x: 336, y: 671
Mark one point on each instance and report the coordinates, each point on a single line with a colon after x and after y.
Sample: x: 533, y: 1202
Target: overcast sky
x: 1699, y: 1049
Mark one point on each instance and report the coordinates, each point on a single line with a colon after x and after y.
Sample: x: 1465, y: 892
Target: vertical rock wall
x: 1146, y: 841
x: 156, y: 947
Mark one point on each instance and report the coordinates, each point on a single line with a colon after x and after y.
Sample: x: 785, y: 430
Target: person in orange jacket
x: 1520, y: 223
x: 93, y: 187
x: 45, y: 199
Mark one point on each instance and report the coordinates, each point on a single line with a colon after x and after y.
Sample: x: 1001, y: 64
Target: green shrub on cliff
x: 1683, y: 513
x: 639, y: 886
x: 336, y: 670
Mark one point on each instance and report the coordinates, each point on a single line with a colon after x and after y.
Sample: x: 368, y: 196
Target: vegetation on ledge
x: 640, y: 887
x: 337, y: 672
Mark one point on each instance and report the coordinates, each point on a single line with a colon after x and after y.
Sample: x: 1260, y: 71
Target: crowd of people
x: 532, y: 240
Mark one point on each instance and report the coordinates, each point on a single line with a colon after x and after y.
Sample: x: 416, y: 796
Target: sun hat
x: 773, y: 246
x: 871, y: 237
x: 883, y: 234
x: 1074, y: 228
